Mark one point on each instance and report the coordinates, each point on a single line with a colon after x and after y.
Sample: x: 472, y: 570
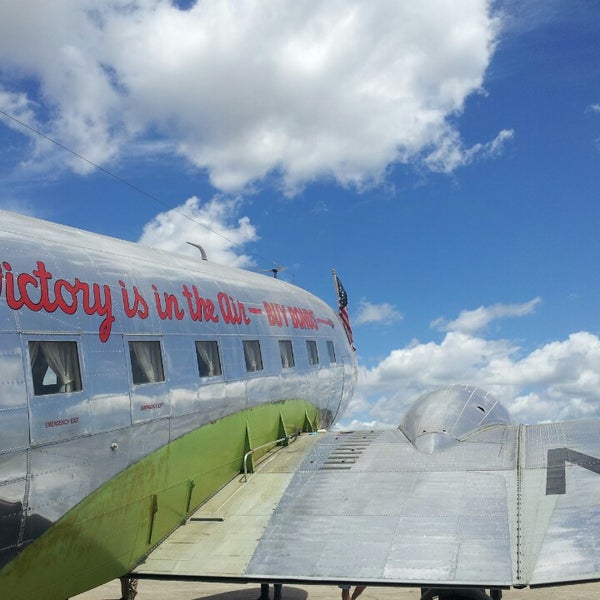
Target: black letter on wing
x: 555, y: 474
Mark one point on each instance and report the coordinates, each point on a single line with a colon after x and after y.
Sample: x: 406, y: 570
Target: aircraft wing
x: 488, y: 511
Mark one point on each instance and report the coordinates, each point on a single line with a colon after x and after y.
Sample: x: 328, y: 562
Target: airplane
x: 136, y: 386
x: 132, y: 383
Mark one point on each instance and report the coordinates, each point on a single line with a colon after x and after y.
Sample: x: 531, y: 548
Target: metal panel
x: 235, y: 397
x: 324, y: 383
x: 12, y: 382
x: 149, y: 402
x: 561, y: 530
x: 336, y: 375
x: 109, y: 412
x: 13, y: 465
x: 183, y: 400
x: 106, y: 382
x: 63, y: 474
x: 406, y: 521
x: 292, y: 384
x: 262, y: 389
x: 313, y: 390
x: 8, y: 323
x: 234, y: 365
x: 14, y: 428
x: 182, y: 368
x: 58, y: 417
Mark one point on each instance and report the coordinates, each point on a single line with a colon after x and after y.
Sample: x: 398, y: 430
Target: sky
x: 443, y: 156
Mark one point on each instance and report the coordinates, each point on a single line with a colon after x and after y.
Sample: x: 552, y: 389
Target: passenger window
x: 209, y: 361
x: 54, y: 367
x: 331, y: 351
x: 253, y: 355
x: 146, y: 362
x: 313, y: 353
x: 287, y: 354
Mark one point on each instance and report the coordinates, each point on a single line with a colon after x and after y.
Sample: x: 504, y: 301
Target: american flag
x: 343, y: 307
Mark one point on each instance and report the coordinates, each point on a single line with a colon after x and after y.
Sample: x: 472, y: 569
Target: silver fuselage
x: 61, y: 440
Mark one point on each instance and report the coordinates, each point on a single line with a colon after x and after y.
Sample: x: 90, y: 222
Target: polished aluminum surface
x: 63, y: 284
x: 445, y: 415
x: 499, y: 505
x: 561, y: 531
x: 371, y: 508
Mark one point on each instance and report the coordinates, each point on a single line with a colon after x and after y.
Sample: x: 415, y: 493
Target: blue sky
x: 443, y: 157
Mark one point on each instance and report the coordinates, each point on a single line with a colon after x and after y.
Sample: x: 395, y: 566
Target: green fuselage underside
x: 108, y: 533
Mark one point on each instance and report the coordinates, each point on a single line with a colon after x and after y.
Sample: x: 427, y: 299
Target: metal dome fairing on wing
x: 441, y: 417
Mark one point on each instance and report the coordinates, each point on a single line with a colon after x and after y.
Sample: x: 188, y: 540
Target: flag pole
x: 335, y: 287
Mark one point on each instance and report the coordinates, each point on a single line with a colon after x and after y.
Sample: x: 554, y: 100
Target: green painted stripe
x: 109, y: 532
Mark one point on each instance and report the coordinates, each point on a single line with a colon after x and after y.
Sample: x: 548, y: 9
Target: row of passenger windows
x: 55, y: 364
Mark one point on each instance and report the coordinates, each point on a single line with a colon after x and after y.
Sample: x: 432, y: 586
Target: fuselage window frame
x: 253, y: 356
x: 313, y: 353
x: 286, y: 353
x: 331, y: 352
x: 55, y: 367
x: 147, y: 364
x: 208, y: 356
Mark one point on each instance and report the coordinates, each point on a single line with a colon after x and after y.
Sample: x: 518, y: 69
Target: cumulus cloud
x: 214, y: 225
x: 472, y: 321
x: 243, y: 90
x: 557, y: 381
x: 369, y: 312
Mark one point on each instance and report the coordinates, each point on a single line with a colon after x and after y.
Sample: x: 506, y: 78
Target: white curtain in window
x: 208, y: 356
x: 38, y: 368
x: 287, y: 354
x: 63, y: 360
x: 253, y: 356
x: 34, y: 348
x: 313, y: 354
x: 149, y: 360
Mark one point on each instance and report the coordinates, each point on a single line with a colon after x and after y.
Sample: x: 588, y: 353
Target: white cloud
x: 369, y: 312
x: 214, y: 225
x: 245, y: 89
x: 557, y: 381
x: 17, y: 105
x: 595, y: 108
x: 472, y: 321
x: 449, y: 153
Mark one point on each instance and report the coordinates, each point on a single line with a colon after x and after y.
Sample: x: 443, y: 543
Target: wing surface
x: 360, y: 507
x: 508, y: 506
